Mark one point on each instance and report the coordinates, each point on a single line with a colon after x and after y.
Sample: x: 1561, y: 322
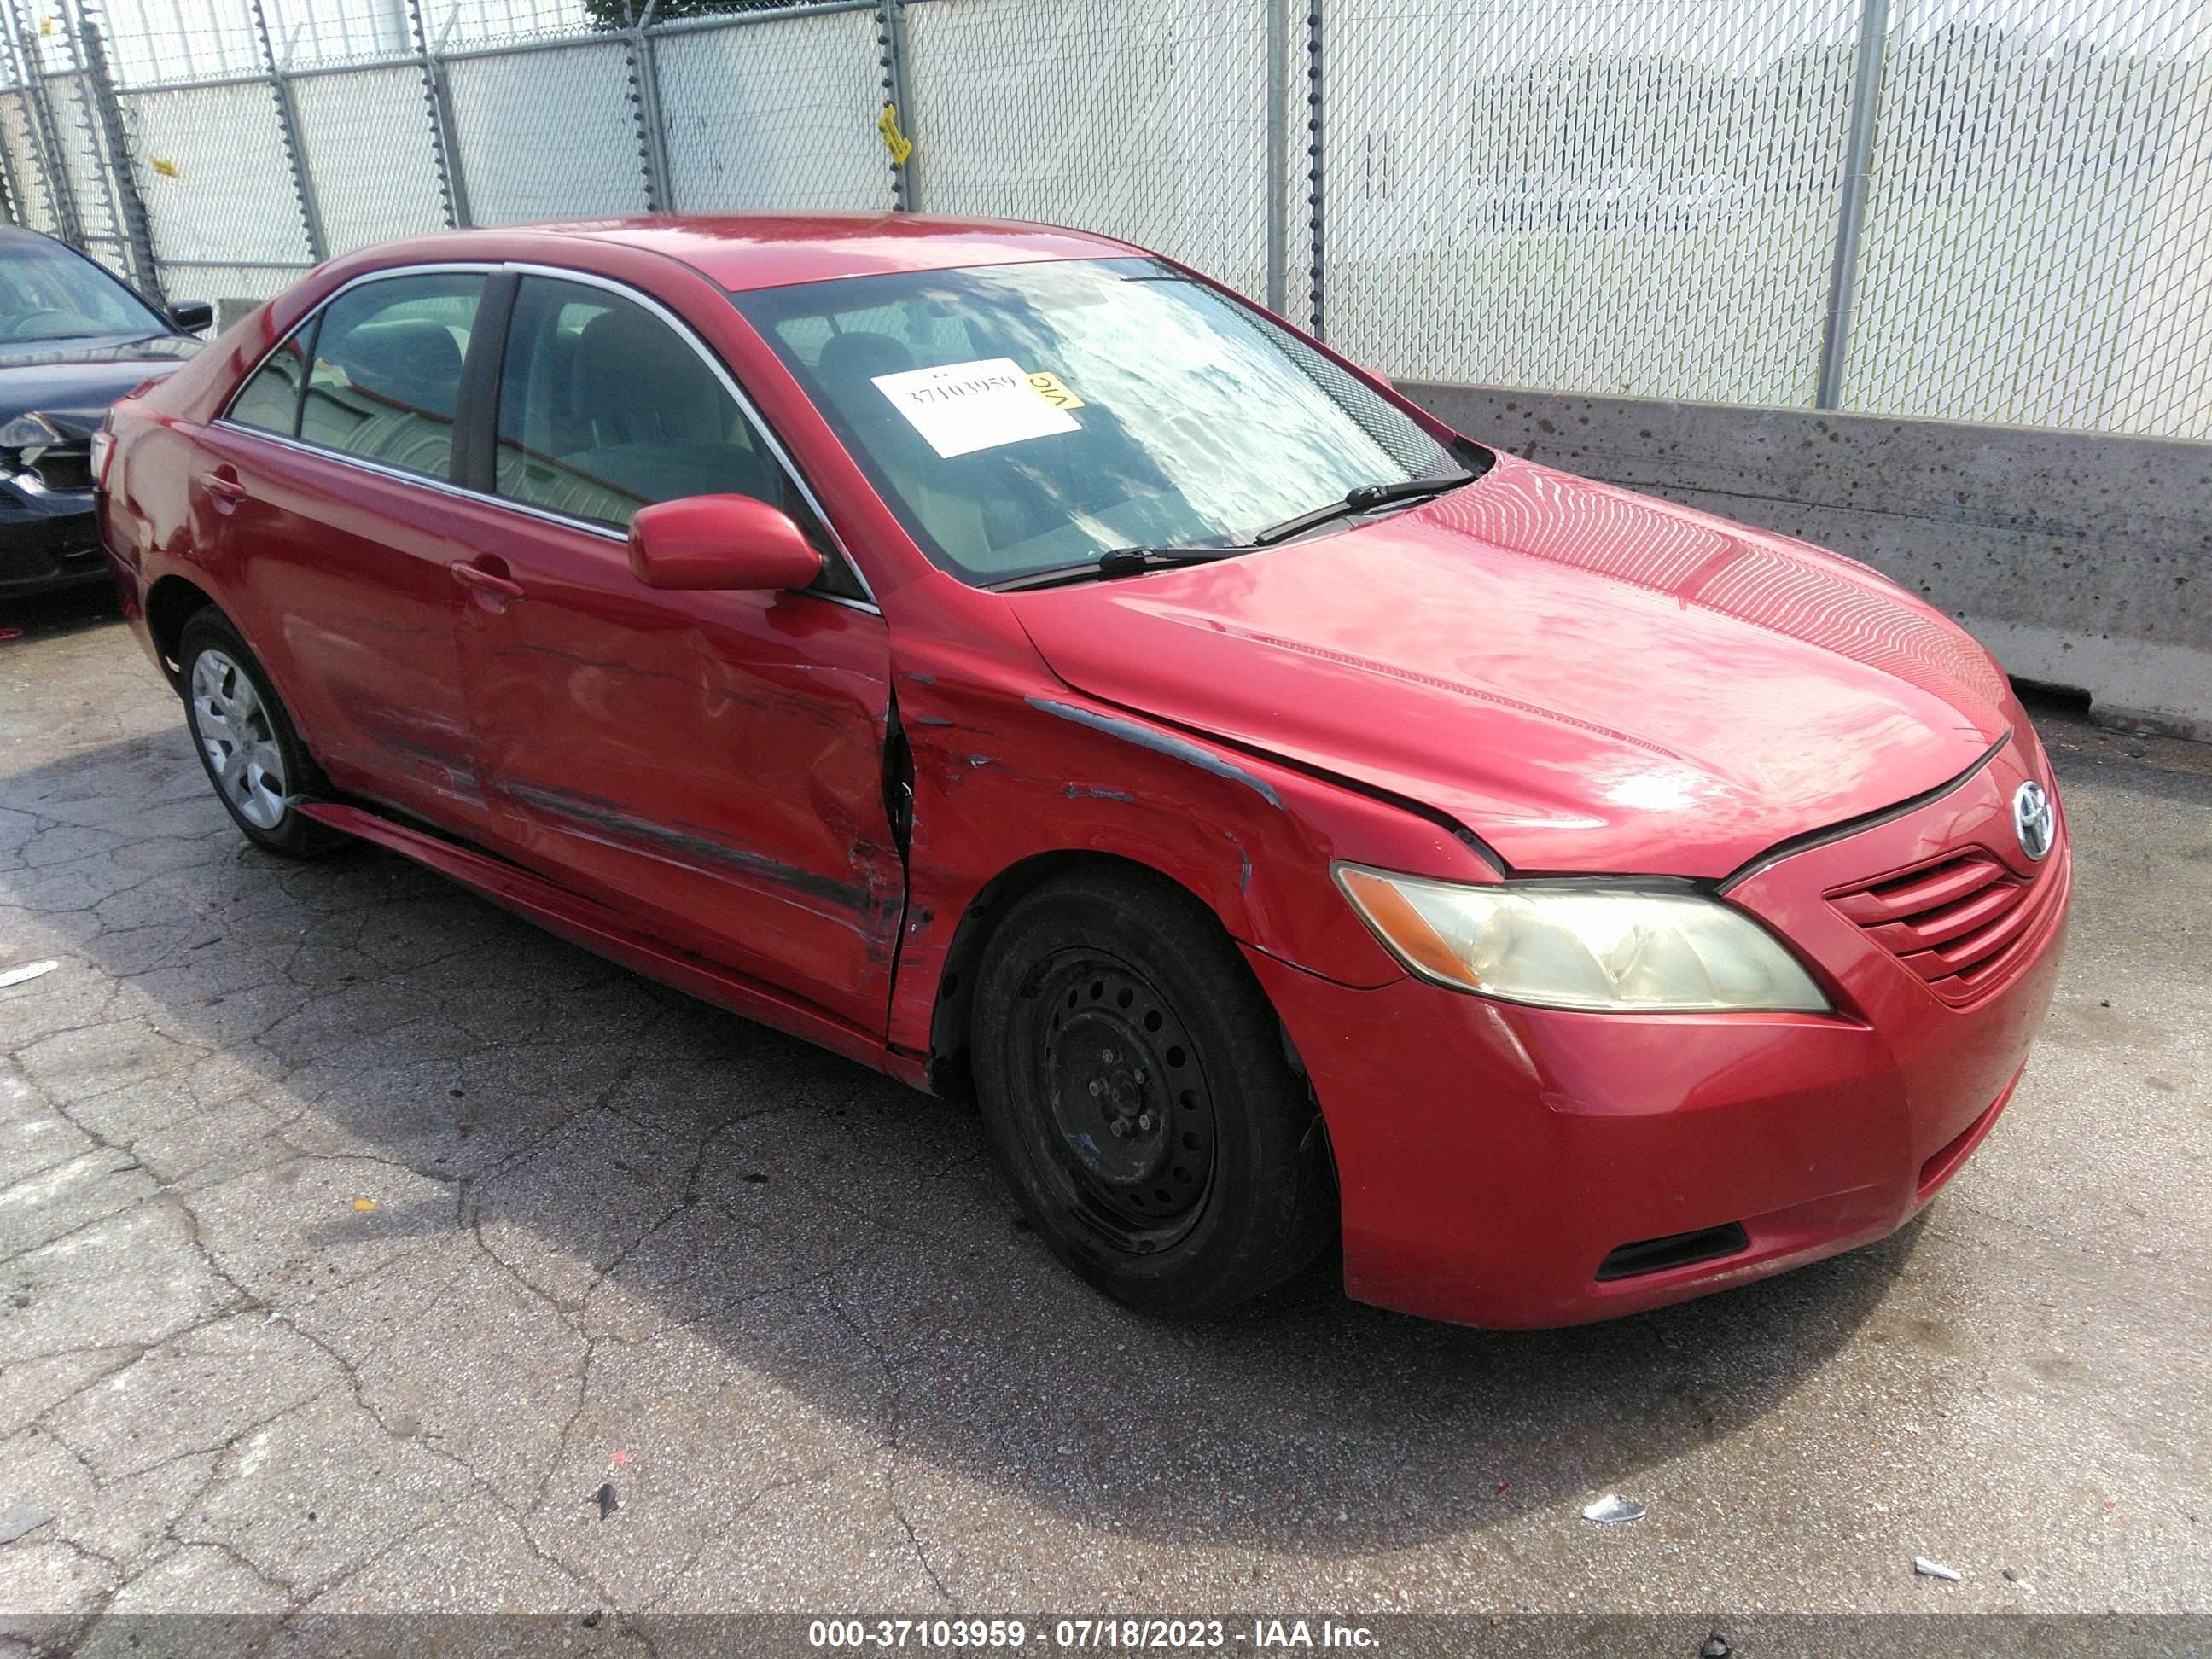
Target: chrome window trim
x: 447, y: 268
x: 445, y: 486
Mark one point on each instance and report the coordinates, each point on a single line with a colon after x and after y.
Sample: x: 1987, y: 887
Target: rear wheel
x: 253, y: 758
x: 1133, y: 1081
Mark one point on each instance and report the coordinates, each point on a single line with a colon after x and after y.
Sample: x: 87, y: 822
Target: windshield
x: 1025, y: 418
x: 49, y: 293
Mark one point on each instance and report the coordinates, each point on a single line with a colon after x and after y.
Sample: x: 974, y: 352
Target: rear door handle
x: 484, y: 581
x: 222, y: 487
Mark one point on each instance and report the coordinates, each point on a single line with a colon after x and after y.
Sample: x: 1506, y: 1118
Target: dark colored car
x: 1009, y: 659
x: 73, y: 339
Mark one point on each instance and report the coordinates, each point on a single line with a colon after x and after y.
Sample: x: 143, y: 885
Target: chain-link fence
x: 1987, y: 210
x: 1639, y: 199
x: 2039, y: 245
x: 1164, y: 138
x: 60, y: 132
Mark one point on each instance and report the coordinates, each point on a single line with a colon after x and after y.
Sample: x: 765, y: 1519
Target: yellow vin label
x: 1049, y: 388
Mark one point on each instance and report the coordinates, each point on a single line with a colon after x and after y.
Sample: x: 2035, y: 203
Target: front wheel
x: 253, y: 758
x: 1139, y: 1099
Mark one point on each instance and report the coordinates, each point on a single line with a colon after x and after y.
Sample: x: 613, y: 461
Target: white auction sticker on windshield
x: 961, y: 408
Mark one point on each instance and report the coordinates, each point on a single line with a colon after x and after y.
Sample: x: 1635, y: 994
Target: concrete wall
x: 2081, y: 560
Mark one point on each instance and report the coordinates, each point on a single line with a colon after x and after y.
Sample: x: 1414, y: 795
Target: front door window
x: 604, y: 409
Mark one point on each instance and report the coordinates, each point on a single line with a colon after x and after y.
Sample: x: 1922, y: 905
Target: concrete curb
x: 2082, y: 559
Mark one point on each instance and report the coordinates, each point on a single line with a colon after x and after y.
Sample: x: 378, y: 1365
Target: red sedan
x: 1003, y: 656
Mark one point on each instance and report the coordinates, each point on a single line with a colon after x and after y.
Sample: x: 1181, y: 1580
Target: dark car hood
x: 1589, y: 679
x: 72, y: 382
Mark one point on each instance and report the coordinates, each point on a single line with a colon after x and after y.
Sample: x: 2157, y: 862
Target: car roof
x: 773, y: 250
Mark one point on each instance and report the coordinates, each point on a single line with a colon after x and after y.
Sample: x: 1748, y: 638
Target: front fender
x: 1007, y: 772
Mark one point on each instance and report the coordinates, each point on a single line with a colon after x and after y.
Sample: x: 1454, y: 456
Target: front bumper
x: 1493, y: 1158
x: 49, y: 539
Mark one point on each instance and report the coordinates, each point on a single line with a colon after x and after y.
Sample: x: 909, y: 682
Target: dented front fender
x: 1005, y: 770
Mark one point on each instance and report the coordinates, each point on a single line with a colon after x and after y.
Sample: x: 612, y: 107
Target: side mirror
x: 192, y: 315
x: 728, y: 542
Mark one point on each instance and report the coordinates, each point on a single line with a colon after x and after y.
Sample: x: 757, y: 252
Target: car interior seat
x: 401, y: 382
x: 624, y: 413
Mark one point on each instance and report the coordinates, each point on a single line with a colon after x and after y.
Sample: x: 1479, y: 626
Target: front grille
x: 65, y: 467
x: 1959, y: 923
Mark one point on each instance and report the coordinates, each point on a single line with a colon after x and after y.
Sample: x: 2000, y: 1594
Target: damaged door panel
x: 712, y: 758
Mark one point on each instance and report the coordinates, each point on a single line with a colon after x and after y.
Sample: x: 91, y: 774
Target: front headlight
x: 1619, y: 947
x: 28, y: 437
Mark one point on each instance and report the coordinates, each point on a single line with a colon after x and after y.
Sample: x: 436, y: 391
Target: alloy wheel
x: 234, y: 728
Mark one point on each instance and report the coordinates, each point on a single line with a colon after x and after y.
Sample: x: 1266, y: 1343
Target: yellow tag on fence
x: 1049, y: 388
x: 897, y: 143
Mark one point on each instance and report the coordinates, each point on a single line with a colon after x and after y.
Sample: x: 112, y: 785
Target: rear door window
x: 604, y: 409
x: 386, y: 382
x: 270, y: 399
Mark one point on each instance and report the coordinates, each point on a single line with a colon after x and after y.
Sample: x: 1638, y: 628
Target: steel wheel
x: 1139, y: 1095
x: 234, y: 730
x: 1127, y: 1112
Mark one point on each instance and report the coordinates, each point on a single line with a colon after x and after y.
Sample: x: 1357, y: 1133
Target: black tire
x: 208, y: 635
x: 1139, y: 1100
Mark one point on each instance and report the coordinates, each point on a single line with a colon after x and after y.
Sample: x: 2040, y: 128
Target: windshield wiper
x: 1134, y: 561
x: 1363, y: 498
x: 1119, y: 561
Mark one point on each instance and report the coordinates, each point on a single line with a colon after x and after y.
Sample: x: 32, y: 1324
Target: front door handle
x: 224, y: 486
x: 487, y: 582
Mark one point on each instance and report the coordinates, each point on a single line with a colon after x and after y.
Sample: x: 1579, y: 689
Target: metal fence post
x: 295, y: 152
x: 19, y: 207
x: 645, y: 101
x: 1851, y: 218
x: 1278, y: 155
x: 8, y: 183
x: 898, y: 102
x: 18, y: 210
x: 1314, y: 150
x: 88, y: 117
x: 127, y: 207
x: 438, y: 99
x: 45, y: 138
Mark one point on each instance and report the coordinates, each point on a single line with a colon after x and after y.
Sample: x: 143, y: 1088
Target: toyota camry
x: 1005, y: 657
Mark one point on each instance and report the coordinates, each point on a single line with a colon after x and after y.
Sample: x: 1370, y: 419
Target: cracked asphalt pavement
x: 356, y: 1237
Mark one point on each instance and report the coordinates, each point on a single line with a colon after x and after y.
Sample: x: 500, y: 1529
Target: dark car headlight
x: 24, y: 441
x: 26, y: 438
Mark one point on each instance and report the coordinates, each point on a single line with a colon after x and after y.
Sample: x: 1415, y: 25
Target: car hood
x: 1589, y: 679
x: 72, y: 382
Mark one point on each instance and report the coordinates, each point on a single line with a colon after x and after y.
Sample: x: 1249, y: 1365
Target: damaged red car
x: 1005, y: 657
